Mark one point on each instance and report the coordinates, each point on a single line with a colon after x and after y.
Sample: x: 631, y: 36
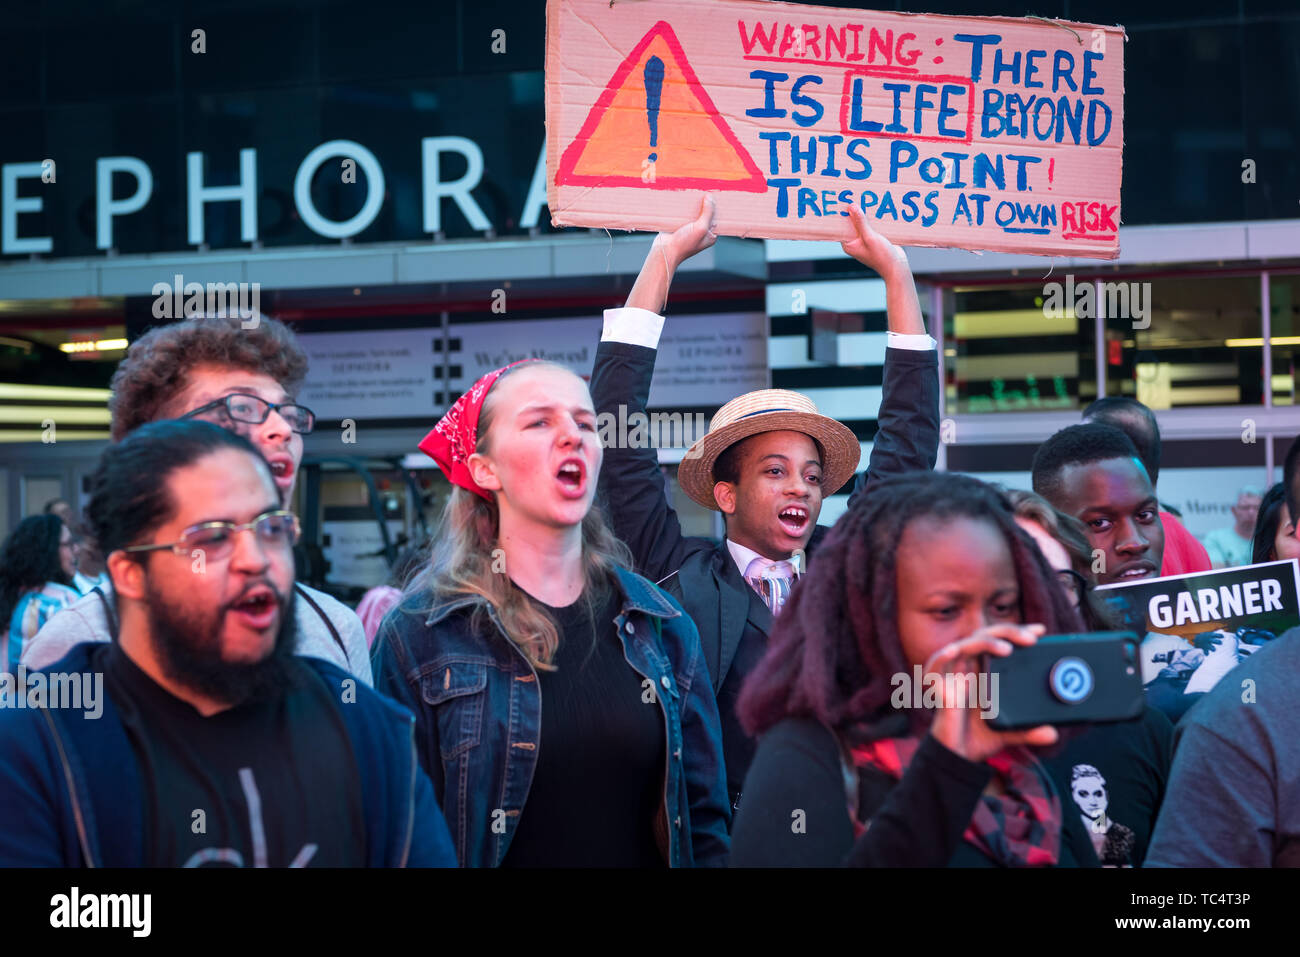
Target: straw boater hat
x: 768, y: 410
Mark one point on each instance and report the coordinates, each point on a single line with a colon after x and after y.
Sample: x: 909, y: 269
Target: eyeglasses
x: 242, y: 407
x: 1075, y: 585
x: 217, y: 539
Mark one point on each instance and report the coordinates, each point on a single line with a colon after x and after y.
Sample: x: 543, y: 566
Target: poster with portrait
x: 1199, y: 626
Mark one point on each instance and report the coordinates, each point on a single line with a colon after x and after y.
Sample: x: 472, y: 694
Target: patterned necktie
x: 772, y: 580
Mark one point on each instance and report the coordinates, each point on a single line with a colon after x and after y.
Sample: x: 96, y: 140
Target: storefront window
x: 56, y: 360
x: 1284, y: 309
x: 1005, y: 352
x: 1185, y: 341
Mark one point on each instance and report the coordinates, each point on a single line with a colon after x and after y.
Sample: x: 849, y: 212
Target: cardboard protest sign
x: 1199, y: 626
x: 977, y: 132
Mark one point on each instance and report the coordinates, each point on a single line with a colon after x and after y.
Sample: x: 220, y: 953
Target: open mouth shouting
x: 257, y: 607
x: 571, y: 477
x: 793, y: 519
x: 282, y: 470
x: 1134, y: 571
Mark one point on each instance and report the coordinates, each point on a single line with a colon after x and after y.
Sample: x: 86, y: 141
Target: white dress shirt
x: 744, y: 557
x: 641, y: 327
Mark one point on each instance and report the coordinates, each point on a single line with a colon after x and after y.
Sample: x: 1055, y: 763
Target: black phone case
x: 1025, y: 689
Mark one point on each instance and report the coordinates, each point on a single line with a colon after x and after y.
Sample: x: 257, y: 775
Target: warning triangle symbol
x: 655, y: 95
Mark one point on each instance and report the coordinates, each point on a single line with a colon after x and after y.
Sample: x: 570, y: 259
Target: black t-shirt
x: 1112, y: 778
x: 795, y: 812
x: 267, y: 784
x: 598, y: 784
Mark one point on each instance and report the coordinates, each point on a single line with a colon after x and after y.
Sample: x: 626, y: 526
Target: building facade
x: 376, y: 177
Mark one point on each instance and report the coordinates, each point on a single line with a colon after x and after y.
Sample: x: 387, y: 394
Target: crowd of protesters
x: 563, y: 678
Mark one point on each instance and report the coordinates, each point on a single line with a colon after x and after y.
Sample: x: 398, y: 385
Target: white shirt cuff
x: 914, y: 342
x: 636, y: 327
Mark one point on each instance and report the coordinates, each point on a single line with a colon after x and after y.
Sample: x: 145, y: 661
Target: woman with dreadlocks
x: 1133, y: 756
x: 927, y: 576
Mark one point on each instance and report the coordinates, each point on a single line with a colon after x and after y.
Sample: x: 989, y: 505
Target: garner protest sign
x: 977, y: 132
x: 1199, y: 626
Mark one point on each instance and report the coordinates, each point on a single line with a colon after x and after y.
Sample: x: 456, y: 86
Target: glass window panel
x: 20, y: 68
x: 379, y: 40
x: 1150, y: 11
x: 1202, y: 345
x: 1183, y: 149
x: 127, y: 58
x: 1004, y: 353
x: 1284, y: 310
x: 524, y: 26
x: 242, y: 52
x: 1271, y: 116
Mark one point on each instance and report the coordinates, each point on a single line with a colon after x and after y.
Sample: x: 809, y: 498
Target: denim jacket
x: 477, y: 706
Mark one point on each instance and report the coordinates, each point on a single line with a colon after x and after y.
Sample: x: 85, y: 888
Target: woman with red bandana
x: 563, y: 709
x: 931, y: 574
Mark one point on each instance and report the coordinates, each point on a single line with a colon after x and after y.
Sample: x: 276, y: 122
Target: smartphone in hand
x: 1068, y: 679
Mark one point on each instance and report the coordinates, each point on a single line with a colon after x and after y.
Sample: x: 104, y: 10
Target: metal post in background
x: 1266, y: 337
x: 936, y: 331
x: 445, y: 317
x: 1099, y: 319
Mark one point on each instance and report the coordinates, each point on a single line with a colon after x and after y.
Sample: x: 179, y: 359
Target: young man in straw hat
x: 766, y: 463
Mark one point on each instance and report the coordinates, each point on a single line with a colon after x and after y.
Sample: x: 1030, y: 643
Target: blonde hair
x: 464, y: 561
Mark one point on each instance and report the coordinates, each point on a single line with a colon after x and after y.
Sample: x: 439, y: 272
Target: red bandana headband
x: 455, y: 437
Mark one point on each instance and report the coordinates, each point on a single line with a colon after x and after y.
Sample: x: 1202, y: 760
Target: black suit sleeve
x: 632, y: 485
x: 907, y: 436
x: 794, y: 812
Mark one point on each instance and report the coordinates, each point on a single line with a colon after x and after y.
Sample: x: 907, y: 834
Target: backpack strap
x: 109, y: 613
x: 334, y: 632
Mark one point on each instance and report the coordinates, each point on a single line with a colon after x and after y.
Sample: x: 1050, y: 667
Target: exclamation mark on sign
x: 1051, y: 171
x: 654, y: 84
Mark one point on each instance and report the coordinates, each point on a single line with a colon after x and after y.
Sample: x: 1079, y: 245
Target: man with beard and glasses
x: 215, y: 745
x: 242, y: 379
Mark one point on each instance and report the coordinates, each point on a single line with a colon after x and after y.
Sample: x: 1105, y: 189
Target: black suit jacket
x: 732, y: 619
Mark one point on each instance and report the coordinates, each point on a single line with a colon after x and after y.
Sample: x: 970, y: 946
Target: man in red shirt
x: 1183, y: 552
